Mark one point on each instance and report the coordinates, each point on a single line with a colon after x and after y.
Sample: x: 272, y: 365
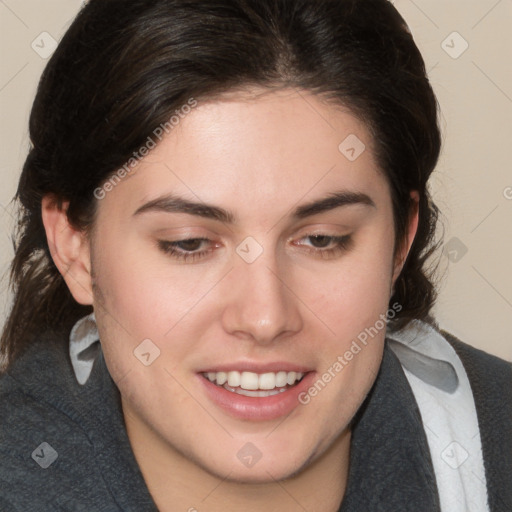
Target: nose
x: 260, y: 303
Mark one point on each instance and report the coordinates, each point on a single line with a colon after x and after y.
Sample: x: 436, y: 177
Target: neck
x: 177, y: 483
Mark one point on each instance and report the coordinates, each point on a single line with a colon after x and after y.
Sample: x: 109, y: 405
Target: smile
x: 256, y: 396
x: 253, y: 384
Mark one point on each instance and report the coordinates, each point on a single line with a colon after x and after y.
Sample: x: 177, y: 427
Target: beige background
x: 473, y: 181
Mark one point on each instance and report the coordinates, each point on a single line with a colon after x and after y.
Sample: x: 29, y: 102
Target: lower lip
x: 257, y: 408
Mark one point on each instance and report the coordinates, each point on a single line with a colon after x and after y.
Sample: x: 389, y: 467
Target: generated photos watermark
x: 151, y: 142
x: 358, y: 344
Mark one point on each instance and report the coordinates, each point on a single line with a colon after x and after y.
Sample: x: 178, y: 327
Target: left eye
x: 326, y: 241
x: 320, y: 241
x: 325, y: 246
x: 190, y: 245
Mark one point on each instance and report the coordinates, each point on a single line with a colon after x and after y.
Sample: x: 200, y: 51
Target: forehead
x: 253, y: 150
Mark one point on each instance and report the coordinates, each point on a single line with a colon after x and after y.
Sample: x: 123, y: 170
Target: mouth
x: 253, y: 384
x: 256, y: 396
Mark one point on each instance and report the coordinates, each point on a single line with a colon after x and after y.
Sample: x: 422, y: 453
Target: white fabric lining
x: 450, y: 423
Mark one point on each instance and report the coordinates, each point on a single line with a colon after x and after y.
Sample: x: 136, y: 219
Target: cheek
x: 352, y: 300
x: 146, y: 296
x: 139, y: 296
x: 352, y: 294
x: 353, y: 304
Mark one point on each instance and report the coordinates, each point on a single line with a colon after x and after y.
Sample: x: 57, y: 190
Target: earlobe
x: 69, y: 249
x: 412, y: 228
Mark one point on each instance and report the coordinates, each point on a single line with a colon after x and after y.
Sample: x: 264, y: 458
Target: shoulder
x: 491, y: 383
x: 478, y: 363
x: 490, y: 378
x: 44, y: 446
x: 64, y: 446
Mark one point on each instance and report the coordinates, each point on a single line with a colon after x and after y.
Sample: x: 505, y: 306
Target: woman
x: 222, y: 298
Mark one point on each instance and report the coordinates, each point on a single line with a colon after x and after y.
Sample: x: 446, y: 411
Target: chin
x: 260, y: 460
x: 261, y: 473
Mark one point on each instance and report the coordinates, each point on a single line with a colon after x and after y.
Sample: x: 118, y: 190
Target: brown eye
x: 320, y: 241
x: 325, y: 246
x: 188, y: 250
x: 192, y: 244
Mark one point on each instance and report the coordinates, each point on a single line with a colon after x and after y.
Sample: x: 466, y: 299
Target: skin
x: 259, y: 156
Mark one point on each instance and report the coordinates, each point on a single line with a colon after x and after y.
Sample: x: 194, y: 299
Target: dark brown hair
x: 124, y: 67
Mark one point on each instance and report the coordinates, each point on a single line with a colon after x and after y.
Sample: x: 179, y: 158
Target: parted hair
x: 124, y: 66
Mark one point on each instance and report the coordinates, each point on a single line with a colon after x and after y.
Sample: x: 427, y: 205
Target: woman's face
x: 257, y: 238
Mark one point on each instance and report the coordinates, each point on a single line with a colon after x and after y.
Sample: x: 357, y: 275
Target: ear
x: 69, y: 249
x: 412, y: 227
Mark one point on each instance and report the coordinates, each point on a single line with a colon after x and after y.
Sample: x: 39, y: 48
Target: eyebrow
x: 174, y: 204
x: 334, y: 200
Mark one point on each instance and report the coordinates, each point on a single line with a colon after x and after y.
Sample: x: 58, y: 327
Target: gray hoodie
x: 64, y: 447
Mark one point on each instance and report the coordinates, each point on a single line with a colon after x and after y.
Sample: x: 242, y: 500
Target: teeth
x: 250, y: 381
x: 281, y: 379
x: 234, y: 379
x: 254, y: 394
x: 291, y: 378
x: 222, y: 377
x: 267, y: 381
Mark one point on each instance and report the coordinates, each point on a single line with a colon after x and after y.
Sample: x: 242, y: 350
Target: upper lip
x: 247, y: 366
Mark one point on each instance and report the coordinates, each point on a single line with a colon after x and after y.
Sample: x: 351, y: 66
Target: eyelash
x: 341, y: 244
x: 172, y: 249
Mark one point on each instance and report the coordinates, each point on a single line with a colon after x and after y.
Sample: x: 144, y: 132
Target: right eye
x: 188, y: 250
